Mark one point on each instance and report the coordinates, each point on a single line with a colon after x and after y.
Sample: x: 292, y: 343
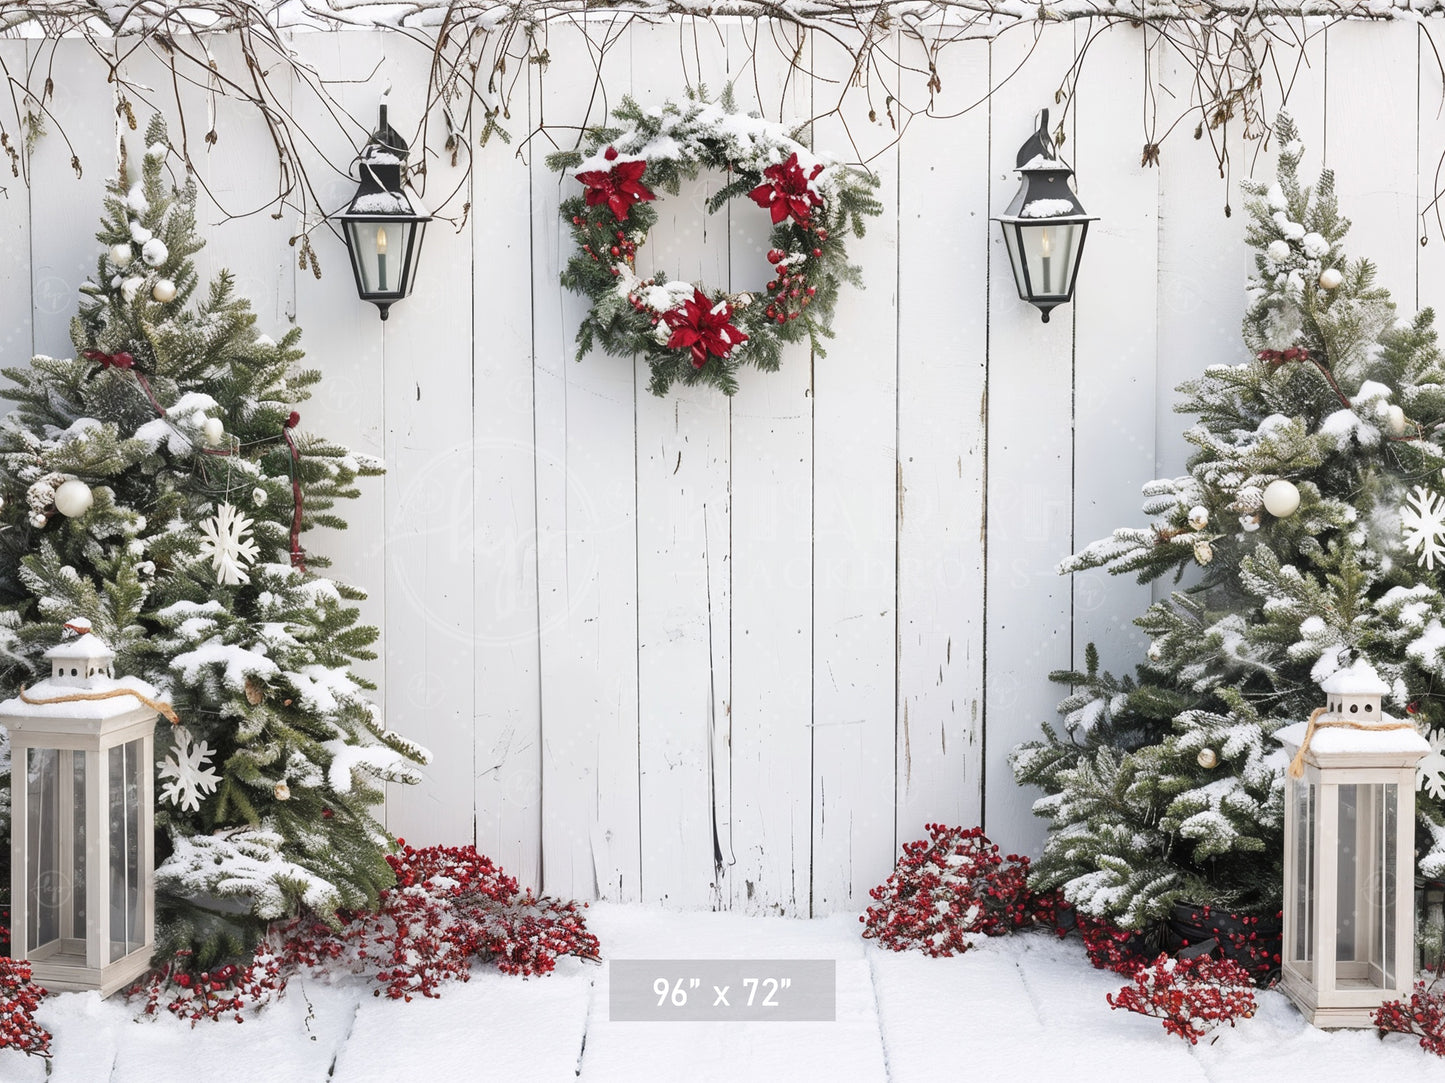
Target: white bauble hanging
x: 1330, y: 278
x: 73, y: 498
x: 164, y: 290
x: 1281, y: 498
x: 121, y: 254
x: 38, y: 520
x: 282, y: 791
x: 1199, y: 517
x: 1207, y: 758
x: 1395, y: 423
x: 154, y: 252
x: 214, y: 430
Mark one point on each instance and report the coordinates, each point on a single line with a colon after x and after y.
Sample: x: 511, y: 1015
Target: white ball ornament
x: 1203, y: 551
x: 1330, y: 278
x: 259, y: 497
x: 1395, y: 423
x: 121, y: 254
x: 1207, y: 758
x: 38, y: 520
x: 283, y: 792
x: 214, y: 430
x: 1199, y: 517
x: 164, y: 290
x: 154, y: 252
x: 73, y: 498
x: 1281, y: 498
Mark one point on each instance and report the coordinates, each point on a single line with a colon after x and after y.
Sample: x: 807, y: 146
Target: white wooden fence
x: 732, y: 653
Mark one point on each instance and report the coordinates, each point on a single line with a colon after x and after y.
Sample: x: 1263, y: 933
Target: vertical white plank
x: 854, y: 524
x: 65, y: 209
x: 16, y: 319
x: 682, y: 531
x: 772, y: 554
x: 1429, y: 224
x: 508, y: 699
x: 426, y: 384
x: 943, y: 268
x: 1298, y: 88
x: 1370, y: 141
x: 586, y: 522
x: 1202, y: 262
x: 342, y: 337
x: 1030, y: 420
x: 1115, y: 331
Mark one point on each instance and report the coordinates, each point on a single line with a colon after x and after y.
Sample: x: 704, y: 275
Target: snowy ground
x: 1023, y: 1006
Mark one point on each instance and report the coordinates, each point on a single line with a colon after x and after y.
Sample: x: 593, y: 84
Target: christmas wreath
x: 690, y: 332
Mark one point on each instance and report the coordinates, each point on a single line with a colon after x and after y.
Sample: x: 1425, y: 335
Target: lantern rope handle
x: 77, y: 697
x: 1297, y: 765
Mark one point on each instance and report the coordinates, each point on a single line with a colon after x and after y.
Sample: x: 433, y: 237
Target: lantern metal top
x: 382, y: 192
x: 1045, y: 194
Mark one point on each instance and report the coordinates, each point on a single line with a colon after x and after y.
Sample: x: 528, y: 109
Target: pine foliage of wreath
x: 694, y: 333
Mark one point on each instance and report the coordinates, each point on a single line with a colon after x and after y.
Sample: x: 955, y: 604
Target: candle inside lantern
x: 1045, y: 251
x: 381, y: 256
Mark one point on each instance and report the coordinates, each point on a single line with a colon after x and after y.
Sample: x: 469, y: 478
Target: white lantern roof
x: 1357, y: 679
x: 81, y: 675
x: 1373, y: 746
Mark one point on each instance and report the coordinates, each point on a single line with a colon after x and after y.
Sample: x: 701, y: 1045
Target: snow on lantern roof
x: 84, y: 648
x: 1357, y: 679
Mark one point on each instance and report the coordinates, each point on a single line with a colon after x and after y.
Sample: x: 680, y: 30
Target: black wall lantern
x: 1045, y: 225
x: 383, y: 228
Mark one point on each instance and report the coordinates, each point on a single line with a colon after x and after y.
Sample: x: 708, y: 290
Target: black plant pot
x: 1251, y: 940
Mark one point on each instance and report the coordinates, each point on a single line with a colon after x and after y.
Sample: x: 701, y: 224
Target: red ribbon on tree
x: 786, y: 193
x: 298, y: 555
x: 702, y: 327
x: 619, y: 188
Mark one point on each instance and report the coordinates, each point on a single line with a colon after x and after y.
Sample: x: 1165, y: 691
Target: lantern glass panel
x: 383, y: 254
x: 1302, y: 910
x: 1367, y: 861
x: 1051, y: 253
x: 55, y: 851
x: 127, y: 899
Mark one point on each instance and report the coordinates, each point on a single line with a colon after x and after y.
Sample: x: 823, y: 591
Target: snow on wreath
x: 689, y: 332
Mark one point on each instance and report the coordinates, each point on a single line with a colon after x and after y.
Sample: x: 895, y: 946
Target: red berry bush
x: 1112, y: 948
x: 1423, y: 1015
x: 19, y: 998
x: 451, y: 907
x: 949, y: 888
x: 1191, y: 996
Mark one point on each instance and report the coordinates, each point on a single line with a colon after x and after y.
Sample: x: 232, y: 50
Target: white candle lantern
x: 82, y: 846
x: 1349, y: 854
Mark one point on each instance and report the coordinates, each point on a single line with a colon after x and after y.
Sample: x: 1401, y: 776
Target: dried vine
x: 482, y: 51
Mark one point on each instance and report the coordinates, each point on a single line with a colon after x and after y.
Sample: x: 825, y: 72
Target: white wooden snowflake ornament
x: 187, y: 767
x: 1422, y: 519
x: 229, y: 545
x: 1432, y: 768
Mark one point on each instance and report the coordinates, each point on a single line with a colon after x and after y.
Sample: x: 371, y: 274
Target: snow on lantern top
x: 1354, y: 693
x: 76, y: 661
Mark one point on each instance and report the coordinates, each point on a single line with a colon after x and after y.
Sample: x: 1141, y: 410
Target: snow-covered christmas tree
x: 156, y: 486
x: 1312, y: 526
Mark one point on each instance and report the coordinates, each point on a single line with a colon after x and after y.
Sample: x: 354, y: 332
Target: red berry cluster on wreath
x: 19, y: 998
x: 790, y: 289
x: 1424, y: 1015
x: 947, y: 889
x: 1190, y: 996
x: 1276, y: 358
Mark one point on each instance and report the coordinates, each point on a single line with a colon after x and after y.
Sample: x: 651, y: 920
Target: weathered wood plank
x: 586, y: 523
x: 942, y: 408
x: 855, y: 501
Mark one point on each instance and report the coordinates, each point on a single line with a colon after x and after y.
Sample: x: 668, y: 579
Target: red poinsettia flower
x: 703, y: 327
x: 786, y: 192
x: 620, y: 187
